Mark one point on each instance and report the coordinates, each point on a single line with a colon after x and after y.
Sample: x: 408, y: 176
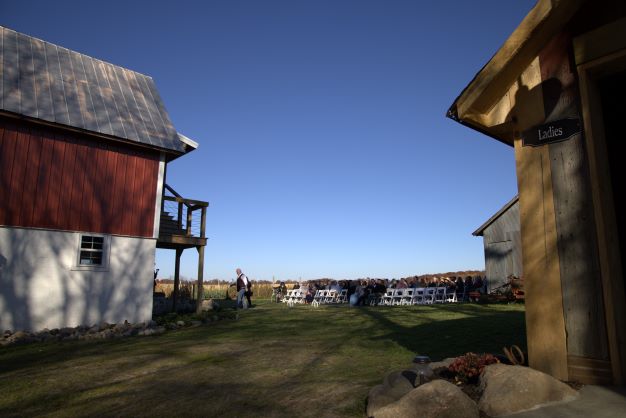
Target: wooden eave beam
x: 495, y: 79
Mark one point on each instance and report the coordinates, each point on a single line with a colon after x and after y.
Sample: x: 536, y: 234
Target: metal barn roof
x: 44, y: 81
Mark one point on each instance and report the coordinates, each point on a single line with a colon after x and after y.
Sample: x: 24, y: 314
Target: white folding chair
x: 320, y: 296
x: 407, y: 299
x: 388, y: 297
x: 429, y: 295
x: 418, y: 296
x: 343, y: 296
x: 287, y: 297
x: 331, y: 296
x: 397, y: 296
x: 440, y: 295
x: 451, y: 297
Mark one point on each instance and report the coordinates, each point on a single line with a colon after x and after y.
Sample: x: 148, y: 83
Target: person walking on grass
x: 244, y: 288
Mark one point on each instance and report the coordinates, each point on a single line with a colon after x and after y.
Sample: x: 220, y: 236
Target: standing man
x: 243, y: 289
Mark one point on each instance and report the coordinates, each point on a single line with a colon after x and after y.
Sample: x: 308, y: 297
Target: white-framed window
x: 93, y: 252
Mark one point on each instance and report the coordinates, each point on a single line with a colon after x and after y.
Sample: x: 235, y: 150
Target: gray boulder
x: 396, y: 385
x: 436, y: 399
x: 402, y: 381
x: 511, y: 389
x: 378, y: 397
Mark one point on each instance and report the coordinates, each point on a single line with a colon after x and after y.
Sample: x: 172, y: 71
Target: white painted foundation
x: 40, y: 286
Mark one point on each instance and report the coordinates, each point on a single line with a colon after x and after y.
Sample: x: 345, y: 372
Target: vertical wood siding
x: 581, y: 283
x: 57, y: 180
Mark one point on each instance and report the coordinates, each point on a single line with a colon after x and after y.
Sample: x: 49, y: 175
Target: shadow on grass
x: 478, y: 332
x: 271, y: 357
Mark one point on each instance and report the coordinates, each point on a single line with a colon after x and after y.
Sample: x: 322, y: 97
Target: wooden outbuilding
x: 555, y: 93
x: 503, y: 245
x: 84, y: 146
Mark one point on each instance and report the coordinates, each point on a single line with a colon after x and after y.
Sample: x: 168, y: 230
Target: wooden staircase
x: 176, y: 230
x: 180, y: 229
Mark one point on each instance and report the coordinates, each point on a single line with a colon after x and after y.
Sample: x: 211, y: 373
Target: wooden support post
x: 200, y: 294
x: 179, y: 218
x: 179, y: 252
x: 201, y: 263
x: 189, y: 214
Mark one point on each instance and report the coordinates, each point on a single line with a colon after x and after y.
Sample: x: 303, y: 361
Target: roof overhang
x: 477, y: 105
x: 189, y: 143
x: 188, y: 146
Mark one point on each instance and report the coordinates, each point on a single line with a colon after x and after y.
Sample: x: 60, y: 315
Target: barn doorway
x: 612, y: 90
x: 602, y: 90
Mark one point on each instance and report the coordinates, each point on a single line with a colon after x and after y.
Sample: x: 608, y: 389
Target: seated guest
x: 310, y: 293
x: 402, y: 284
x: 478, y: 284
x: 459, y: 285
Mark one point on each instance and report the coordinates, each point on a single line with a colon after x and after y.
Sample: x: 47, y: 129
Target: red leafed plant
x: 468, y: 367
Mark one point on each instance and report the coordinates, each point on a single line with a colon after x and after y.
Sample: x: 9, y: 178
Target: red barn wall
x: 54, y: 179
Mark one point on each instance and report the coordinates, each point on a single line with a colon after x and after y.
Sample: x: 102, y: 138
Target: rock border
x: 398, y: 392
x: 101, y: 331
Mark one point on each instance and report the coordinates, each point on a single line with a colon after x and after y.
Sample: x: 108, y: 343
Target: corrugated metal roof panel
x: 43, y: 81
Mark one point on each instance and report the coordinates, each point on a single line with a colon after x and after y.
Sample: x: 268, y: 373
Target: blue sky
x: 324, y: 147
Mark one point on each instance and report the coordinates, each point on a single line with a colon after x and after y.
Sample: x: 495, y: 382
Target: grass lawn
x: 274, y: 361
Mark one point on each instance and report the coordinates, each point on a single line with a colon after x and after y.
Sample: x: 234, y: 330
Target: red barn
x: 83, y: 150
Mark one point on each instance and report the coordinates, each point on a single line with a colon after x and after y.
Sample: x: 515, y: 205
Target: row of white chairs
x: 415, y: 296
x: 321, y: 297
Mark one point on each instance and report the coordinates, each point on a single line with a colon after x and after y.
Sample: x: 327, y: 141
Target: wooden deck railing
x: 183, y: 212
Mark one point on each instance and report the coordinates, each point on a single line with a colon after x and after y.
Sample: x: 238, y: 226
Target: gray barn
x: 503, y: 246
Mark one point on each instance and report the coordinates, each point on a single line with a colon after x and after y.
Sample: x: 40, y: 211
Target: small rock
x: 139, y: 325
x: 180, y: 323
x: 196, y: 323
x: 511, y: 389
x: 66, y: 331
x: 171, y: 325
x: 120, y: 327
x: 159, y: 330
x: 44, y: 335
x: 151, y: 324
x: 7, y: 333
x: 93, y: 329
x: 104, y: 325
x: 107, y: 333
x: 436, y: 399
x: 20, y: 337
x: 207, y: 305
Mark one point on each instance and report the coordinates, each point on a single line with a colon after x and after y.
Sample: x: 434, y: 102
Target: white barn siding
x: 41, y: 287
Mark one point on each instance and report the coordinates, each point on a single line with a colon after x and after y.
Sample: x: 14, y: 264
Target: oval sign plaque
x: 555, y: 131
